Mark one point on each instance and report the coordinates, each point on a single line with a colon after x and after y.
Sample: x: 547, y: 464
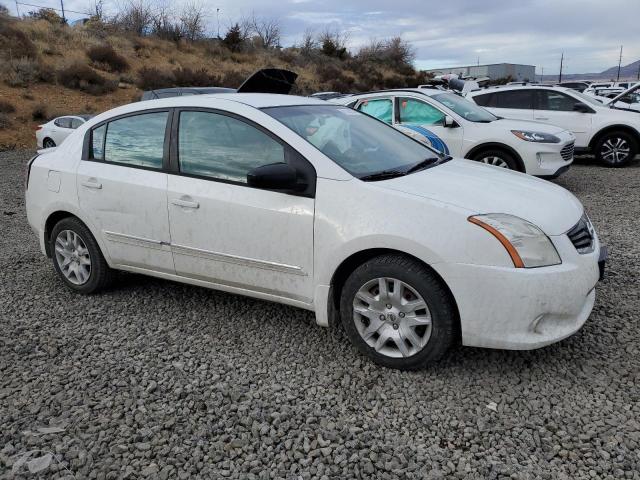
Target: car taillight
x: 27, y: 172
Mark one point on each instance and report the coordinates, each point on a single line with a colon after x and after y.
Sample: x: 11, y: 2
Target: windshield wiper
x: 383, y: 175
x: 421, y: 165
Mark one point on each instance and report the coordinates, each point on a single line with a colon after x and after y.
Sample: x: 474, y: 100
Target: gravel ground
x: 159, y: 380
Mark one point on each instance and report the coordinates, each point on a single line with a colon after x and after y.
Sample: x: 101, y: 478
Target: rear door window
x: 515, y: 99
x: 137, y: 140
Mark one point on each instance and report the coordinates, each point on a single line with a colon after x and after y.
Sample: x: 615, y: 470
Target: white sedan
x: 456, y: 126
x: 52, y: 133
x: 318, y: 206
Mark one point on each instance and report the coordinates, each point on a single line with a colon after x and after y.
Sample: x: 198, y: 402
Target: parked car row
x: 354, y: 211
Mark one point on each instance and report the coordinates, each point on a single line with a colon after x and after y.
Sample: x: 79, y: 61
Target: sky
x: 447, y: 33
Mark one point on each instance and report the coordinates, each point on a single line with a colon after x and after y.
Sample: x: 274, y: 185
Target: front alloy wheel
x: 397, y: 312
x: 494, y: 160
x: 616, y: 149
x: 391, y: 317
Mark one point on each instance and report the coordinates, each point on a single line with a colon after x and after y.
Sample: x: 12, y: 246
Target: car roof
x: 420, y: 91
x: 504, y: 88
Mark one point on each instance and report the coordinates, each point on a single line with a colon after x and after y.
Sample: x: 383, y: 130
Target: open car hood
x: 269, y: 80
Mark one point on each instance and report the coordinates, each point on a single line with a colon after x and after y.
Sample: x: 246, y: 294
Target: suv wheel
x: 77, y: 258
x: 396, y: 312
x: 616, y: 149
x: 48, y: 143
x: 497, y: 158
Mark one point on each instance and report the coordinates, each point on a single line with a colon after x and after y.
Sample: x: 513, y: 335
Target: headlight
x: 537, y: 137
x: 526, y: 244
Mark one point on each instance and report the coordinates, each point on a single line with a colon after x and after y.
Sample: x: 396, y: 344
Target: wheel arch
x: 349, y: 264
x: 614, y: 128
x: 59, y: 214
x: 497, y: 146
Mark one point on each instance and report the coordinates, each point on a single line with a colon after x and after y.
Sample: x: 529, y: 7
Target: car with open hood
x: 265, y: 80
x: 448, y: 122
x: 319, y: 206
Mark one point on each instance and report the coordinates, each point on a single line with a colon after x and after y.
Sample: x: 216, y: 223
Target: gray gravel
x: 158, y: 380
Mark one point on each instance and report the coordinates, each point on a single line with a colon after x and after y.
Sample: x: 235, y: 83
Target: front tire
x: 497, y: 158
x: 77, y: 258
x: 395, y: 311
x: 616, y: 149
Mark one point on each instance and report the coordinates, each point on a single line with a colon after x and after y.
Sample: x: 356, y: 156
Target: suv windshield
x: 363, y: 146
x: 463, y: 107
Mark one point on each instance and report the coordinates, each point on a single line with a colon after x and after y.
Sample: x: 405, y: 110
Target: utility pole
x: 64, y: 20
x: 17, y: 9
x: 561, y: 62
x: 542, y: 75
x: 218, y: 17
x: 619, y: 63
x: 638, y: 70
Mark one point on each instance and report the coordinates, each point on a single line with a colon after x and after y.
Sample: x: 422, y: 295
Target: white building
x: 494, y: 70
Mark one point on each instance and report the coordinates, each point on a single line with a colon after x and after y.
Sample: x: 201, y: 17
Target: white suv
x: 450, y: 123
x: 613, y: 135
x: 315, y: 205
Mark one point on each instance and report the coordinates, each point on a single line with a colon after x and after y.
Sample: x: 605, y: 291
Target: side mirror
x: 449, y: 122
x: 582, y: 108
x: 275, y: 176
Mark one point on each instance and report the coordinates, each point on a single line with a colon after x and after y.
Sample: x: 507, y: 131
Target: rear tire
x: 497, y: 158
x: 77, y: 258
x: 616, y: 149
x: 48, y: 143
x: 396, y: 311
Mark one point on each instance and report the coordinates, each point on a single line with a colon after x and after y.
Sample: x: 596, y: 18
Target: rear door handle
x: 542, y: 118
x: 92, y: 183
x: 185, y: 202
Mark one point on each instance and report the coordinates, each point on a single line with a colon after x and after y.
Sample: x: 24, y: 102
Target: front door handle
x: 92, y: 183
x: 185, y: 202
x: 542, y: 118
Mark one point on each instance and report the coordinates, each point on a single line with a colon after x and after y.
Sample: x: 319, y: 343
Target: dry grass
x: 58, y: 54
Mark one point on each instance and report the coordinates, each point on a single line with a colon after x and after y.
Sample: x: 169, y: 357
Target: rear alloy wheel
x: 616, y: 149
x: 497, y: 158
x: 77, y: 258
x: 48, y: 143
x: 396, y: 312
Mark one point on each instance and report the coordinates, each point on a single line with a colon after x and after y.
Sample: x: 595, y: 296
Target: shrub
x: 39, y: 112
x: 150, y: 78
x: 82, y: 77
x: 25, y: 72
x: 106, y: 55
x: 47, y: 14
x: 185, y: 77
x: 14, y: 43
x: 7, y: 107
x: 234, y: 38
x: 233, y: 79
x: 5, y: 121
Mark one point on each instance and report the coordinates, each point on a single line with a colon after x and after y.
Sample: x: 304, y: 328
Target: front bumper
x: 528, y: 308
x: 549, y: 160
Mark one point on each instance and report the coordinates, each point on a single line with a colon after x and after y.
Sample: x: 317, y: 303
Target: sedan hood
x: 529, y: 125
x: 486, y: 189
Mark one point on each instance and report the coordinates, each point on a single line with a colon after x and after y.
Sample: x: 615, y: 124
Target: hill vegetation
x: 51, y: 68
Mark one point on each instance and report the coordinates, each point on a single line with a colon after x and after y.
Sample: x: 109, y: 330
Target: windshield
x: 463, y: 107
x: 360, y: 144
x: 587, y: 98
